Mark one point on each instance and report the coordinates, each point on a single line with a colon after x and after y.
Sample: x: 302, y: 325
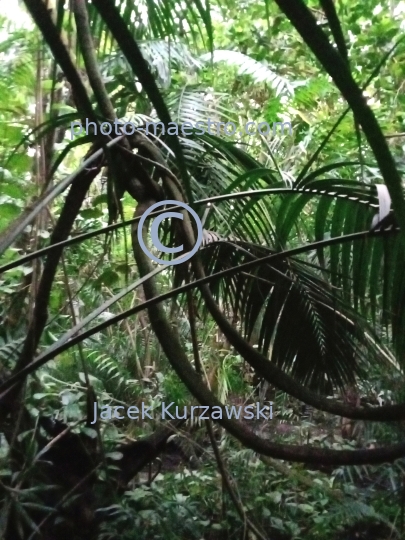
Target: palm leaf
x: 298, y: 320
x: 246, y: 65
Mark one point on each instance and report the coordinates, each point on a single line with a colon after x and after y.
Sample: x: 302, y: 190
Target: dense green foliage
x: 319, y: 320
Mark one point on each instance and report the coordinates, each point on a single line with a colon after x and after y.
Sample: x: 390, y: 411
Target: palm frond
x: 246, y: 65
x: 157, y: 19
x: 162, y: 57
x: 294, y: 315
